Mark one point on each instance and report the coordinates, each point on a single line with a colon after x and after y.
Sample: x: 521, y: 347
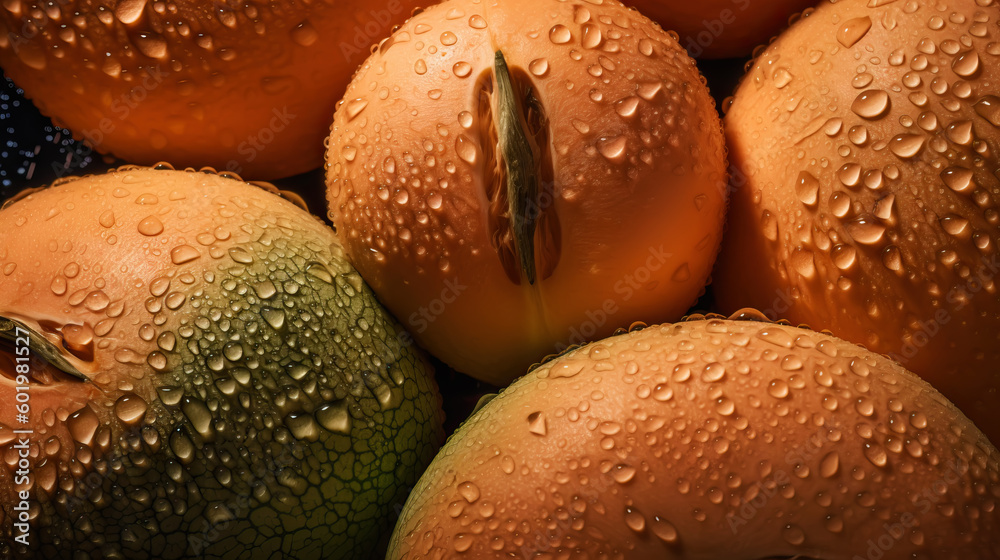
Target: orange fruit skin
x: 882, y: 229
x: 247, y: 88
x: 162, y: 288
x: 635, y: 204
x: 706, y: 440
x: 722, y: 28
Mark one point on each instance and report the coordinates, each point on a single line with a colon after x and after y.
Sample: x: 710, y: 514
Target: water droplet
x: 560, y: 34
x: 807, y: 188
x: 989, y: 108
x: 151, y: 44
x: 646, y: 47
x: 853, y: 30
x: 539, y: 67
x: 129, y: 11
x: 612, y: 148
x: 829, y: 465
x: 420, y: 67
x: 958, y: 179
x: 537, y: 424
x: 465, y: 148
x: 713, y: 373
x: 634, y: 520
x: 477, y: 22
x: 778, y: 388
x: 907, y: 145
x: 966, y: 64
x: 469, y: 491
x: 592, y: 37
x: 627, y: 107
x: 448, y: 38
x: 865, y: 231
x: 960, y: 133
x: 876, y: 454
x: 793, y: 535
x: 150, y: 226
x: 305, y: 34
x: 335, y: 417
x: 302, y: 425
x: 955, y: 225
x: 198, y: 414
x: 782, y: 77
x: 871, y: 104
x: 883, y: 208
x: 623, y: 473
x: 918, y: 420
x: 130, y: 409
x: 354, y: 107
x: 664, y: 530
x: 82, y: 425
x: 776, y: 336
x: 182, y: 446
x: 462, y: 69
x: 274, y: 317
x: 803, y: 262
x: 107, y: 219
x: 183, y: 254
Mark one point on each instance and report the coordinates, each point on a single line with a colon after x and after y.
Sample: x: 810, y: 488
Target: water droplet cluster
x: 872, y: 205
x: 243, y: 377
x: 702, y: 436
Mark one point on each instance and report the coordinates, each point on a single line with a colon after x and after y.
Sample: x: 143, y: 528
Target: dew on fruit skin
x: 354, y: 107
x: 871, y: 104
x: 107, y: 219
x: 184, y: 254
x: 793, y: 535
x: 958, y: 179
x: 335, y: 417
x: 150, y: 226
x: 592, y: 36
x: 83, y: 424
x: 865, y: 231
x: 853, y: 30
x: 778, y: 388
x: 960, y: 133
x: 634, y: 520
x: 302, y: 425
x: 304, y: 34
x: 989, y: 108
x: 613, y: 149
x: 199, y: 415
x: 560, y: 34
x: 966, y: 64
x: 664, y: 530
x: 907, y: 145
x: 537, y: 424
x: 539, y: 67
x: 876, y: 454
x: 829, y: 465
x: 151, y: 44
x: 469, y: 491
x: 129, y: 11
x: 465, y: 148
x: 807, y: 188
x: 884, y: 206
x: 130, y: 409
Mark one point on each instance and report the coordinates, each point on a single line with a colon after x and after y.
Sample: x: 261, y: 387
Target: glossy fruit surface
x: 866, y: 144
x: 710, y: 439
x: 247, y: 87
x: 722, y: 28
x: 514, y: 177
x: 207, y: 377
